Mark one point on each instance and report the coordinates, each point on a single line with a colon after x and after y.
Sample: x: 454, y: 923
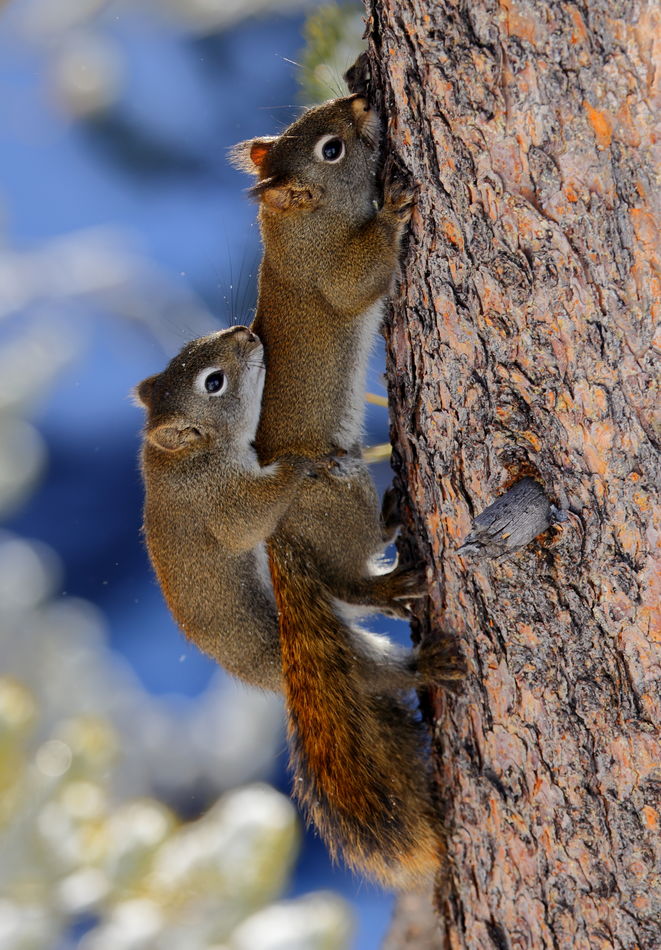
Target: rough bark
x: 521, y: 345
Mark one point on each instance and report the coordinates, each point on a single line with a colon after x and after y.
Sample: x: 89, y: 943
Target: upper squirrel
x: 330, y: 256
x: 331, y: 250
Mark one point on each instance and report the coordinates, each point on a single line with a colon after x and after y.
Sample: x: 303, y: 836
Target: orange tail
x: 357, y: 757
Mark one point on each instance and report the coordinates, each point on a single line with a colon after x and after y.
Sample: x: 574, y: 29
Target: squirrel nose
x: 246, y: 335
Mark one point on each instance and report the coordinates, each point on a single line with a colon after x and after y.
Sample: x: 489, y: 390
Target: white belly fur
x: 350, y: 426
x: 262, y: 565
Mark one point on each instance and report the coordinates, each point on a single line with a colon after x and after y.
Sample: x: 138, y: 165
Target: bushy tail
x: 357, y: 757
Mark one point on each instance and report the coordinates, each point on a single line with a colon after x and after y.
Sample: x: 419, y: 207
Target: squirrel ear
x: 366, y: 119
x: 249, y: 156
x: 287, y: 197
x: 175, y: 436
x: 142, y: 393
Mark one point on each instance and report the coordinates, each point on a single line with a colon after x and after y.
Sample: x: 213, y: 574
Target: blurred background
x: 143, y: 793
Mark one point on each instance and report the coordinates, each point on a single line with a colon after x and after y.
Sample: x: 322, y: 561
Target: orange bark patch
x: 527, y: 634
x: 518, y: 24
x: 580, y: 32
x: 597, y: 441
x: 453, y: 233
x: 644, y: 227
x: 601, y: 125
x: 629, y: 538
x: 533, y: 439
x: 651, y: 817
x: 627, y: 129
x: 642, y: 500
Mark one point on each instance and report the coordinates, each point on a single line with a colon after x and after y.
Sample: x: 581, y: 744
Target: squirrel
x: 331, y: 252
x: 210, y: 506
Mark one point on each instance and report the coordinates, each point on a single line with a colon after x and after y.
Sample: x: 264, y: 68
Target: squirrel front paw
x: 398, y: 199
x: 439, y: 662
x: 359, y: 76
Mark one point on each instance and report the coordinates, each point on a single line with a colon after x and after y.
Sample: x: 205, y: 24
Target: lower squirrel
x: 210, y: 507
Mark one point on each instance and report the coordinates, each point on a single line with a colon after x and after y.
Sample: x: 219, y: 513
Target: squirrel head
x: 208, y: 395
x: 328, y: 157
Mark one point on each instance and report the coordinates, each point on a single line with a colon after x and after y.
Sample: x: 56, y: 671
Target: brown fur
x: 357, y: 755
x: 209, y: 504
x: 330, y: 255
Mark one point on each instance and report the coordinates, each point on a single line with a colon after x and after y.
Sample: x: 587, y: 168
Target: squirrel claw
x: 359, y: 76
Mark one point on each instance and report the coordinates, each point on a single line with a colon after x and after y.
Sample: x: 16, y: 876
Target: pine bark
x: 520, y: 344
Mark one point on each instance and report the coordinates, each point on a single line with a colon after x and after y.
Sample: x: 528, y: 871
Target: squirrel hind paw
x: 440, y: 663
x: 409, y: 581
x: 401, y: 586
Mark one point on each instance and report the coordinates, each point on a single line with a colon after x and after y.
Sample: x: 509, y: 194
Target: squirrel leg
x: 439, y: 662
x: 366, y: 262
x: 264, y: 496
x: 391, y: 520
x: 389, y: 593
x: 390, y: 668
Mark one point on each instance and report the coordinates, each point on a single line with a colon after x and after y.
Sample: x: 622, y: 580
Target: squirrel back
x: 357, y: 752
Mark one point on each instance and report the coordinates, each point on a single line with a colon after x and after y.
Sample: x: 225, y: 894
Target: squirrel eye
x: 329, y: 148
x: 211, y: 382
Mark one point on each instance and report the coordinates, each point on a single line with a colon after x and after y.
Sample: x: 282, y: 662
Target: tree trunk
x: 520, y: 345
